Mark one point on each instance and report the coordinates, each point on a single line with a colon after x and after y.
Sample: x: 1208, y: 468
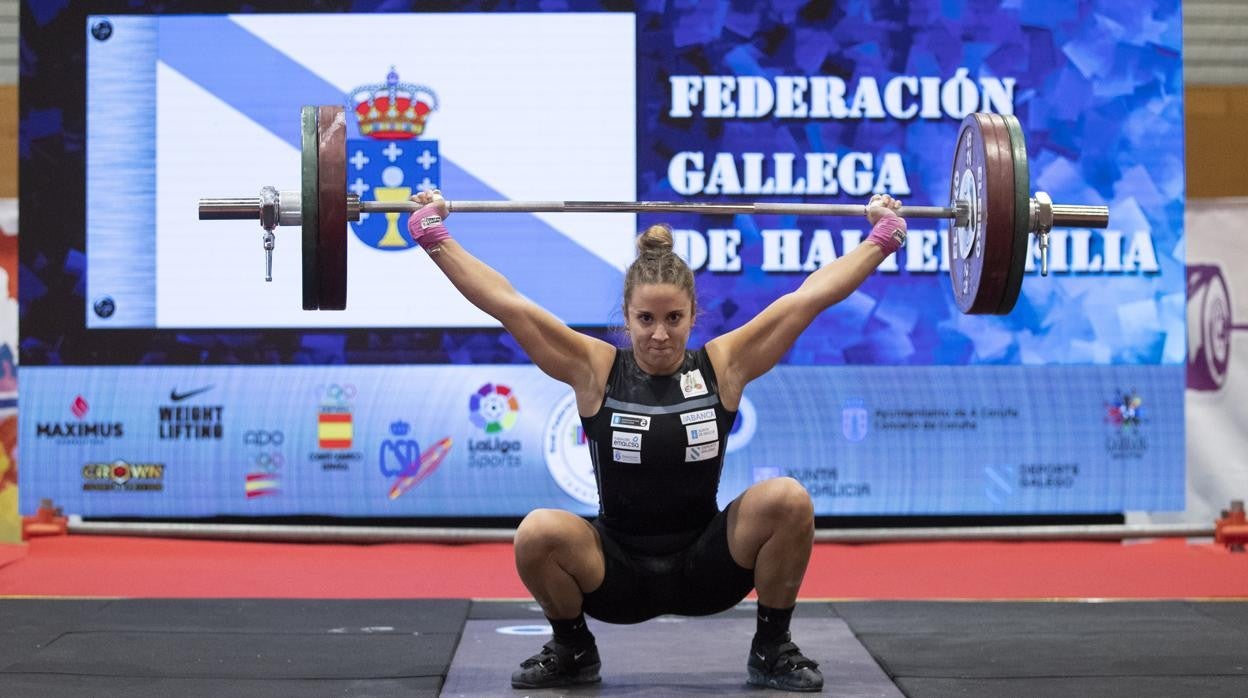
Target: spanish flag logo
x: 334, y: 430
x: 261, y: 484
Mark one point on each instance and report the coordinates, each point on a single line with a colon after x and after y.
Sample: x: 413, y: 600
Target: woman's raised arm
x: 559, y: 351
x: 751, y: 350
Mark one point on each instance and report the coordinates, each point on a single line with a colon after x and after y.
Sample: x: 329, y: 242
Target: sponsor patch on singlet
x: 702, y: 433
x: 698, y: 416
x: 626, y: 456
x: 691, y: 383
x: 702, y: 452
x: 626, y: 440
x: 630, y: 421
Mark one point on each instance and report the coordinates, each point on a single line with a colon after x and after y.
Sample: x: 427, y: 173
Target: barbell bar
x: 241, y: 208
x: 991, y: 210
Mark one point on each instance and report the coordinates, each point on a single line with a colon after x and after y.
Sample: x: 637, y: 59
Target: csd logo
x: 261, y: 437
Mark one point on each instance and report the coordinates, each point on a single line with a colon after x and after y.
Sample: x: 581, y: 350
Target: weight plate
x: 982, y: 177
x: 332, y: 198
x: 1210, y: 324
x: 1022, y: 216
x: 308, y: 202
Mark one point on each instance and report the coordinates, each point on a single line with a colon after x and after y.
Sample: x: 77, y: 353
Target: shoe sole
x: 588, y: 674
x: 758, y: 678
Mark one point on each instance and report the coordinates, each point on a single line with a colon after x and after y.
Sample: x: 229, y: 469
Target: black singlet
x: 657, y: 445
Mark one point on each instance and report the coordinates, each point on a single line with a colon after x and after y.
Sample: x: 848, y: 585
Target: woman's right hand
x: 426, y: 226
x: 433, y: 196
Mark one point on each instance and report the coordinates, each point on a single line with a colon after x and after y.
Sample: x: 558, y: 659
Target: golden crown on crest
x: 393, y: 110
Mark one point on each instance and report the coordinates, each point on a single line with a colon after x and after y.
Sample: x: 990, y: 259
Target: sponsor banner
x: 502, y: 440
x: 10, y: 523
x: 1217, y: 360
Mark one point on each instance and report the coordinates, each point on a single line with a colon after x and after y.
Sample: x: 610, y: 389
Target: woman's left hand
x: 881, y: 205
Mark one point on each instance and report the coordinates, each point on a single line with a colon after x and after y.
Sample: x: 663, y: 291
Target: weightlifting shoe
x: 558, y: 665
x: 780, y: 665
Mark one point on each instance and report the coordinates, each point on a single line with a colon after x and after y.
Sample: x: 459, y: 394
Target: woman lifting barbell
x: 657, y: 416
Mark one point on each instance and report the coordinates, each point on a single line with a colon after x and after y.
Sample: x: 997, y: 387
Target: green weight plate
x: 332, y: 206
x: 1022, y: 216
x: 308, y: 205
x: 979, y: 251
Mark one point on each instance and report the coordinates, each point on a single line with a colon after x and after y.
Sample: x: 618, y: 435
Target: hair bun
x: 657, y: 239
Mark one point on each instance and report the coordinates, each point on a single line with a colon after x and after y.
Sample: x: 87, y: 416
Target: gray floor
x: 422, y: 647
x: 662, y: 657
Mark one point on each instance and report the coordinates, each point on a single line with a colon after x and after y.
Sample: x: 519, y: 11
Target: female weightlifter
x: 657, y: 415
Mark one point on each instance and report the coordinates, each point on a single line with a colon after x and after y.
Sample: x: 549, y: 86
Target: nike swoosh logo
x: 761, y: 656
x: 175, y: 396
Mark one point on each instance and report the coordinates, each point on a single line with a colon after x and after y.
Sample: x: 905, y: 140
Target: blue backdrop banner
x: 162, y: 376
x: 502, y: 440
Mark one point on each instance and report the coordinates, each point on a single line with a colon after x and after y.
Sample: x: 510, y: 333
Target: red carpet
x: 102, y: 566
x: 11, y: 553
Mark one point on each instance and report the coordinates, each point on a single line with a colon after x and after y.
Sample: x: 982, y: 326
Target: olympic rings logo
x: 270, y: 462
x: 338, y: 394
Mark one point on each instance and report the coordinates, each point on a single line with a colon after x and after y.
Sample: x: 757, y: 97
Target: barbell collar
x: 1079, y: 216
x: 270, y: 208
x: 288, y: 207
x: 229, y: 209
x: 1041, y: 224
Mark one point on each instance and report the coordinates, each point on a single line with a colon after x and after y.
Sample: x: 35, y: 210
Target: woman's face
x: 659, y: 318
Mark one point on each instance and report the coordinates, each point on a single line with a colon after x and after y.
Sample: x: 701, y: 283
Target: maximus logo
x: 79, y: 432
x: 185, y: 422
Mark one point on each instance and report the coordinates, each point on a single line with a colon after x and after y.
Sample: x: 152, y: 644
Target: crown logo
x: 400, y: 428
x: 393, y: 111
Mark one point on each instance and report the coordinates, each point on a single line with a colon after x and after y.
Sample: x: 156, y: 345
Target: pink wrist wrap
x: 426, y: 227
x: 889, y: 234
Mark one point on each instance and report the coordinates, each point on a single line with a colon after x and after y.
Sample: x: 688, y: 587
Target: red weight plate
x: 1022, y: 216
x: 983, y: 179
x: 332, y: 205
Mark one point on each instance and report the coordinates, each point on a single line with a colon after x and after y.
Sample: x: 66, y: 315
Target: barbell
x: 991, y: 211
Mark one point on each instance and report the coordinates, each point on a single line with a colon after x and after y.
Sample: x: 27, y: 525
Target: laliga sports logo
x: 390, y: 164
x: 493, y: 408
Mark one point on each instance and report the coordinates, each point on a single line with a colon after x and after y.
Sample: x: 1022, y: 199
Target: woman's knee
x: 785, y: 499
x: 544, y: 532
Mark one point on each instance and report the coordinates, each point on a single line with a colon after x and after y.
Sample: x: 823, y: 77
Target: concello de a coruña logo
x: 1126, y: 417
